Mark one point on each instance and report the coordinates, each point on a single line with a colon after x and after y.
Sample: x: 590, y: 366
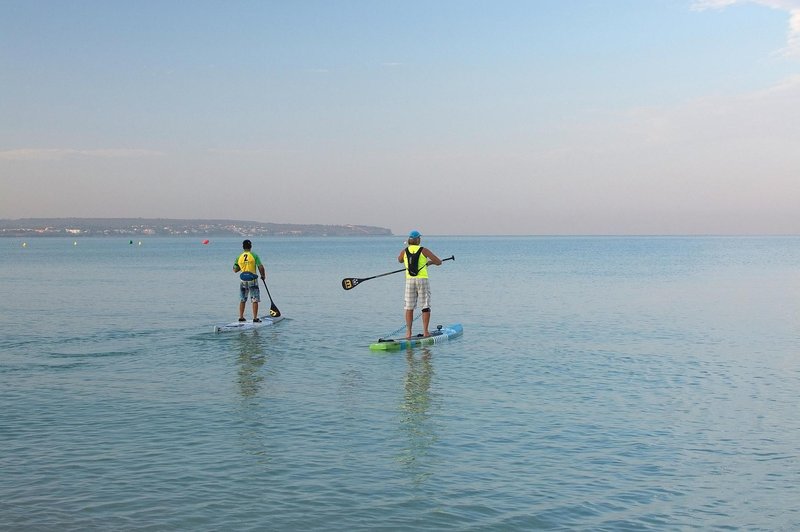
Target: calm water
x: 601, y: 383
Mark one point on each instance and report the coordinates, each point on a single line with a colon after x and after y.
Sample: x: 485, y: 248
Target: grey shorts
x: 418, y: 290
x: 249, y: 288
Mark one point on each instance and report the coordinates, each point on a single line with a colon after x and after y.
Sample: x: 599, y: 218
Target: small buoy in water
x: 24, y: 244
x: 205, y: 241
x: 131, y: 242
x: 140, y: 242
x: 75, y: 243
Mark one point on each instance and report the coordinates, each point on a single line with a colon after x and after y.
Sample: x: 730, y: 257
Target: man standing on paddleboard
x: 246, y: 266
x: 418, y: 289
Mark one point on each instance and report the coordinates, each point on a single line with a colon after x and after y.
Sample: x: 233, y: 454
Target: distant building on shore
x: 169, y: 227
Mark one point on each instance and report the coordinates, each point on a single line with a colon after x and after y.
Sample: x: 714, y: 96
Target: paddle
x: 273, y: 310
x: 348, y: 283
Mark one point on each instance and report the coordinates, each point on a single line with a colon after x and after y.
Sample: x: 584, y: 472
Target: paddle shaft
x: 273, y: 310
x: 349, y: 283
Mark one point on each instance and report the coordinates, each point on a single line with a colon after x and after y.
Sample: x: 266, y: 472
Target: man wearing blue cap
x: 418, y: 289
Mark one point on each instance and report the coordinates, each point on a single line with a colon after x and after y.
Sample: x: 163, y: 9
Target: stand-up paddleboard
x: 248, y: 325
x: 441, y: 334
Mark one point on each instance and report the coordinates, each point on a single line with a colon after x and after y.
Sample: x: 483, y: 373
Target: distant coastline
x: 73, y: 227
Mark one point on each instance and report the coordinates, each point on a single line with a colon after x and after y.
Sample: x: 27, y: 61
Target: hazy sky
x: 451, y: 117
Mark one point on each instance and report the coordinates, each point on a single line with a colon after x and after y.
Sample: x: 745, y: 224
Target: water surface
x: 601, y: 383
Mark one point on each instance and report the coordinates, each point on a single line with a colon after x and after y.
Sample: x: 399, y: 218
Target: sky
x: 453, y: 117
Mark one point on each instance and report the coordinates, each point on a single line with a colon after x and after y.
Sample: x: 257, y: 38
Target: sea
x: 601, y: 383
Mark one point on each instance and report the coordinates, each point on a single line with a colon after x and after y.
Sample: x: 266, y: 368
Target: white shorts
x: 418, y: 290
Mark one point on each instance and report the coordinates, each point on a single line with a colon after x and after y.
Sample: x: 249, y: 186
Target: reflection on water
x: 250, y: 360
x: 416, y: 419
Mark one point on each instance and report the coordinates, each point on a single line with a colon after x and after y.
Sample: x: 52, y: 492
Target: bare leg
x: 241, y: 310
x: 409, y: 321
x: 255, y: 309
x: 426, y: 319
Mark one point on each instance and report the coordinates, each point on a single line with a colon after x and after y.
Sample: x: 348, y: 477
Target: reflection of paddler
x: 418, y: 383
x: 251, y: 358
x: 417, y: 421
x: 246, y: 265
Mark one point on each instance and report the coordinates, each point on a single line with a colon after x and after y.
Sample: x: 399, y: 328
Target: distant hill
x: 170, y: 227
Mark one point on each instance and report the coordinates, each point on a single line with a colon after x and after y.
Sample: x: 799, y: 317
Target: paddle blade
x: 349, y: 283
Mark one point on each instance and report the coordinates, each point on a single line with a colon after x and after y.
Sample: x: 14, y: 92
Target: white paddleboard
x: 248, y: 325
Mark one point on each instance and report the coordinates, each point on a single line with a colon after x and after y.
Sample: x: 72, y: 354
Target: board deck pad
x: 439, y: 335
x: 248, y: 325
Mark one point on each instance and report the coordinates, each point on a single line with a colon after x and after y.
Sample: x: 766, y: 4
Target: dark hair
x: 247, y: 244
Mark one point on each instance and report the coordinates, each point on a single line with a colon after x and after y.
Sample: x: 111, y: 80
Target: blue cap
x: 414, y: 234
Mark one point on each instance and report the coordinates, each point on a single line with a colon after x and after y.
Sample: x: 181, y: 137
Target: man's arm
x: 432, y: 256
